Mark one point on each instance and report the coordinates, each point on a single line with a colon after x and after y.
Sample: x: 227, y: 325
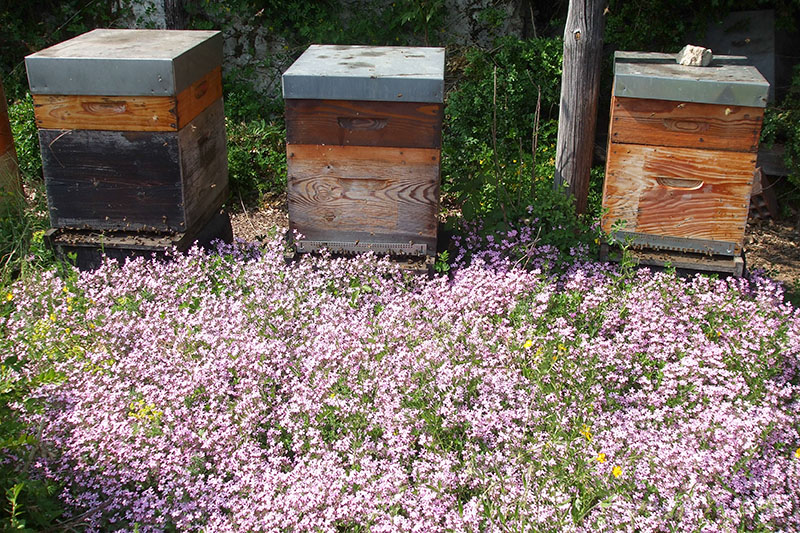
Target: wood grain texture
x: 580, y: 85
x: 204, y: 164
x: 654, y: 190
x: 6, y: 137
x: 105, y: 113
x: 128, y: 113
x: 665, y: 123
x: 361, y: 123
x: 10, y: 181
x: 367, y: 194
x: 197, y: 97
x: 113, y: 180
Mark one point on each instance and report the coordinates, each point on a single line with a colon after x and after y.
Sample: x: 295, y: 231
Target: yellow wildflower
x: 9, y: 296
x: 797, y: 453
x: 601, y: 458
x: 52, y: 317
x: 586, y: 432
x: 64, y: 290
x: 528, y: 344
x: 617, y: 471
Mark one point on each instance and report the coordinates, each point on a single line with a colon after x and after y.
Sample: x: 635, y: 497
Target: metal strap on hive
x: 677, y: 244
x: 354, y: 247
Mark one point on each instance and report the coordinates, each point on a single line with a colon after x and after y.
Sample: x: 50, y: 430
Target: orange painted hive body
x: 132, y: 129
x: 363, y: 128
x: 682, y: 152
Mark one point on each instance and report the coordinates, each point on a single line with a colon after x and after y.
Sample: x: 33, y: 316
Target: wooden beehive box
x: 363, y: 129
x: 682, y: 151
x: 10, y: 184
x: 131, y: 129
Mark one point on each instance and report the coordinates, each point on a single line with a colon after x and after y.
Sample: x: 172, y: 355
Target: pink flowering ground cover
x: 232, y: 392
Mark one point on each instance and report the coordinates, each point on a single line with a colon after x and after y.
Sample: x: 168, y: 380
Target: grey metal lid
x: 729, y: 80
x: 375, y: 73
x: 125, y: 62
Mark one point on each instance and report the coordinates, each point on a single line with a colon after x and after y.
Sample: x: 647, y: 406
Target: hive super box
x: 682, y: 151
x: 131, y: 129
x: 363, y: 128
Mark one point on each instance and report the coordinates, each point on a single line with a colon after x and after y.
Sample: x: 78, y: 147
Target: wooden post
x: 10, y: 183
x: 583, y: 48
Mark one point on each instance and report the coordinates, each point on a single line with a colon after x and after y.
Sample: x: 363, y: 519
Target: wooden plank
x: 10, y: 182
x: 204, y: 164
x: 362, y: 123
x: 197, y: 97
x: 685, y: 124
x: 127, y: 113
x: 6, y: 137
x: 89, y: 247
x: 678, y: 192
x: 679, y: 260
x: 113, y: 180
x: 105, y: 113
x: 369, y: 194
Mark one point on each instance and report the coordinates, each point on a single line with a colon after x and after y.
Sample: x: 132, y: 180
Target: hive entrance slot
x: 411, y: 249
x: 688, y: 184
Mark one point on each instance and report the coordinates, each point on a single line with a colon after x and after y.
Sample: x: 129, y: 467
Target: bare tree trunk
x: 175, y: 17
x: 580, y: 81
x: 10, y: 183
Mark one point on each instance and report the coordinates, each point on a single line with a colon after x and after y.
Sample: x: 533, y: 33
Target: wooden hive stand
x: 132, y: 133
x: 363, y: 128
x: 681, y: 158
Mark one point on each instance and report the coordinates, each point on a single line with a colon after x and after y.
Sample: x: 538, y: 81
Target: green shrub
x: 782, y: 124
x: 26, y: 140
x: 29, y: 504
x: 490, y: 124
x: 23, y: 220
x: 32, y: 25
x: 256, y: 158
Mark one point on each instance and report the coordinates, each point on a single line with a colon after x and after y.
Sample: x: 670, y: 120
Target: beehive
x: 131, y: 129
x: 363, y: 128
x: 10, y: 185
x: 682, y: 151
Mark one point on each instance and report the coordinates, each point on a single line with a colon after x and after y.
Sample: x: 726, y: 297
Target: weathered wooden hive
x: 682, y: 152
x: 363, y: 128
x: 131, y: 129
x: 10, y: 185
